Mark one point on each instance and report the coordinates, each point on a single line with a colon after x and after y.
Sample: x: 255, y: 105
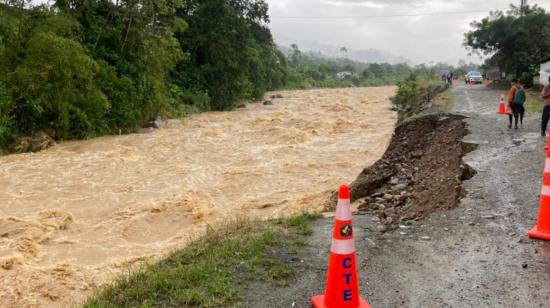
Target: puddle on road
x: 74, y: 216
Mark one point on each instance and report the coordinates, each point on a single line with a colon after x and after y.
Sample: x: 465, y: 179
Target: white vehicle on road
x: 473, y: 77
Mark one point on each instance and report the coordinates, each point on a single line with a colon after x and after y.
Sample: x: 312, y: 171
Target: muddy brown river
x: 78, y: 214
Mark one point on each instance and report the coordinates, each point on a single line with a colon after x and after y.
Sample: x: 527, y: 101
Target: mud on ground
x: 420, y: 173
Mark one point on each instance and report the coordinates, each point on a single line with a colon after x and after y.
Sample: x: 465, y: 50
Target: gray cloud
x: 419, y: 38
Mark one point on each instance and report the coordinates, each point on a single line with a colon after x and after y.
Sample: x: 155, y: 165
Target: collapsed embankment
x: 421, y: 171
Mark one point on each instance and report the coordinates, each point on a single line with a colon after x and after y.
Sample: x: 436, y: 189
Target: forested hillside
x: 306, y: 70
x: 84, y: 68
x: 81, y: 68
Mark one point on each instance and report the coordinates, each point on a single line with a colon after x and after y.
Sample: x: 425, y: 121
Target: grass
x: 211, y: 271
x: 425, y: 83
x: 420, y: 104
x: 444, y: 101
x: 534, y: 103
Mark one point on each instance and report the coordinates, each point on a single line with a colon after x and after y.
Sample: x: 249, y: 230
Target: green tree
x: 56, y: 90
x: 216, y: 44
x: 517, y: 41
x: 134, y: 43
x: 295, y: 56
x: 81, y: 68
x: 231, y: 52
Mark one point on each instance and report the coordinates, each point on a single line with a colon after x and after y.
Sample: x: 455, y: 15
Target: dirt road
x: 74, y: 216
x: 476, y: 255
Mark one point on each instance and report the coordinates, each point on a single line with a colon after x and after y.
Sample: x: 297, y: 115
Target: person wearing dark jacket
x: 545, y: 94
x: 517, y: 106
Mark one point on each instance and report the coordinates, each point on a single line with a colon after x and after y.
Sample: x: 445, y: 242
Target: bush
x: 185, y: 102
x: 407, y: 96
x: 413, y: 96
x: 57, y: 89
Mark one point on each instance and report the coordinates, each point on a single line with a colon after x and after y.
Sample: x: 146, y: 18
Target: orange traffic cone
x: 542, y: 229
x: 342, y: 288
x: 502, y: 108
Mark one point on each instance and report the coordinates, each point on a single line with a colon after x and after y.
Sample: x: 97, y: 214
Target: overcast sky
x: 349, y: 23
x: 419, y: 38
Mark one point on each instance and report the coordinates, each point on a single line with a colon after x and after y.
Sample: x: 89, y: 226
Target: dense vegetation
x: 83, y: 68
x: 517, y: 41
x: 414, y: 96
x: 309, y: 70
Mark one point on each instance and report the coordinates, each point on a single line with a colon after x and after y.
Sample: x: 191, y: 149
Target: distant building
x: 544, y: 73
x: 345, y: 75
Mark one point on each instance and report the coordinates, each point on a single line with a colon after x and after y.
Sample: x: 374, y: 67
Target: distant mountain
x: 328, y: 51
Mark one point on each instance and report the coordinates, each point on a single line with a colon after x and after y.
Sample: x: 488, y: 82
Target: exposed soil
x: 420, y: 173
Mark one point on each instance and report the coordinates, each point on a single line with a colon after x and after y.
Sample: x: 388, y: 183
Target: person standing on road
x: 546, y: 112
x: 511, y: 98
x: 517, y: 106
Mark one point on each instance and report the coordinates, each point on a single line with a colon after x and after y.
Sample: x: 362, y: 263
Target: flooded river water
x: 76, y: 215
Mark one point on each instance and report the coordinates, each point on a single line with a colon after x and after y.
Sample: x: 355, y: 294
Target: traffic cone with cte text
x: 342, y: 287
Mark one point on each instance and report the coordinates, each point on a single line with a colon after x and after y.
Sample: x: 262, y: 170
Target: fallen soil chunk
x: 420, y: 173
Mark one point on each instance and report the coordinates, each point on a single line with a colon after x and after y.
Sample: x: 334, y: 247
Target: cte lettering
x: 347, y: 264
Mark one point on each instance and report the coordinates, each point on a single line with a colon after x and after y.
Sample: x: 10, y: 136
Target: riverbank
x: 80, y: 213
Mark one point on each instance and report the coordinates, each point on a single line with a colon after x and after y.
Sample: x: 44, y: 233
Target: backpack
x: 520, y: 97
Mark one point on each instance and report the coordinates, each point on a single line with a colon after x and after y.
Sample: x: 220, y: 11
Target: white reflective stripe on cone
x: 343, y: 210
x: 342, y: 247
x: 545, y: 191
x: 547, y: 166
